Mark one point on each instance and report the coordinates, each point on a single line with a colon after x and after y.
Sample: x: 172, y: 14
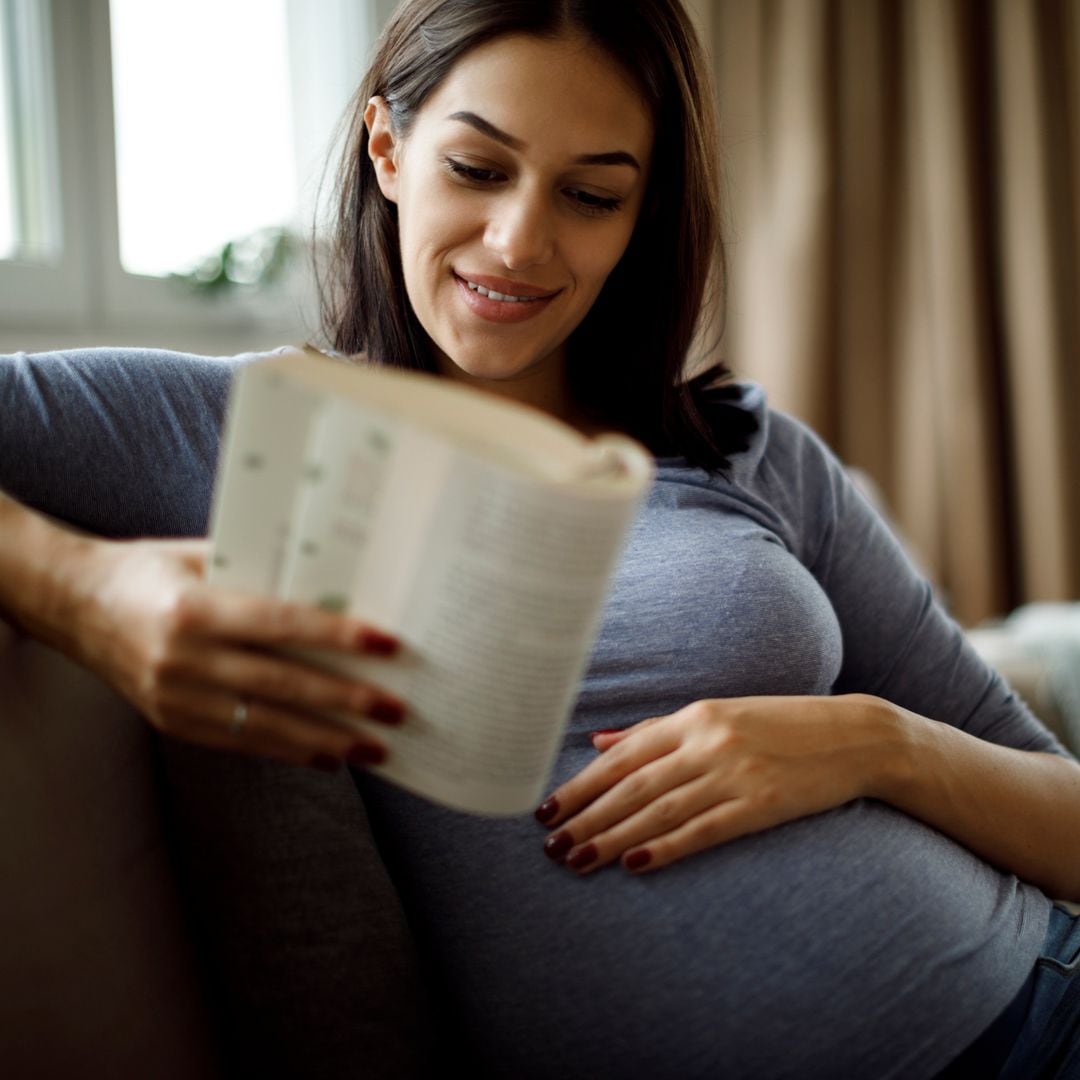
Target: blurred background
x: 903, y: 204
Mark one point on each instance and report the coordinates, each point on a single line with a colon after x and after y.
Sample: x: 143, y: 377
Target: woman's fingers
x: 628, y: 755
x: 715, y: 825
x: 646, y: 792
x: 206, y: 716
x: 672, y: 824
x: 201, y: 610
x: 281, y: 680
x: 646, y: 805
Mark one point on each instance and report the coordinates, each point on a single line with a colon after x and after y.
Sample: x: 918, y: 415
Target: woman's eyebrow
x: 485, y: 127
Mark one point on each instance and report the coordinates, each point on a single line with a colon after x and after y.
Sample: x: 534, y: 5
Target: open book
x: 481, y: 532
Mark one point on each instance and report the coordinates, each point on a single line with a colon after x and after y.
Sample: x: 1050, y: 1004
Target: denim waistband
x: 1038, y: 1033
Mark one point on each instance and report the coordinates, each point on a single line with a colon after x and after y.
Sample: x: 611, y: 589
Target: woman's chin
x: 488, y: 369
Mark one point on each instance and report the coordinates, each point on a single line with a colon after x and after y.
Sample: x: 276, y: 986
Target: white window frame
x: 32, y: 289
x: 85, y: 284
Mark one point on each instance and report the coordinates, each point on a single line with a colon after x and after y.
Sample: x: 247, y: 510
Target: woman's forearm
x: 39, y: 568
x: 1017, y: 809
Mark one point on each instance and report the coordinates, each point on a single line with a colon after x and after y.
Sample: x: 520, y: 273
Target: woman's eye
x: 584, y: 201
x: 471, y: 172
x: 593, y: 204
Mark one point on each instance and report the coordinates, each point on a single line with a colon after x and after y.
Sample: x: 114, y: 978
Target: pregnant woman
x: 796, y: 828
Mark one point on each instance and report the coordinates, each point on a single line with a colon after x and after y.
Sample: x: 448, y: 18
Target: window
x: 28, y: 197
x: 139, y: 136
x: 7, y: 159
x: 204, y: 147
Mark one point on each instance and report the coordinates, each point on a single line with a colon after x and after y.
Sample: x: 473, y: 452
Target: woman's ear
x: 382, y: 146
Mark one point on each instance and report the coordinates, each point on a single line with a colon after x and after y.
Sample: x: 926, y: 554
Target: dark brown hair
x: 627, y: 359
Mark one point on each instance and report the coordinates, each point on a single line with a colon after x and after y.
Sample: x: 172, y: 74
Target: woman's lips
x: 503, y: 311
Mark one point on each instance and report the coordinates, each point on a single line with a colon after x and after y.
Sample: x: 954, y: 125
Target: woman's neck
x: 544, y: 387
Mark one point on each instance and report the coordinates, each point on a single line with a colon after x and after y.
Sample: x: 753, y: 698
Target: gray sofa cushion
x: 96, y: 978
x: 306, y: 953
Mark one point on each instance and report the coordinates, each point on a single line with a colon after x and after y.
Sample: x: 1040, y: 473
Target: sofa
x: 133, y: 943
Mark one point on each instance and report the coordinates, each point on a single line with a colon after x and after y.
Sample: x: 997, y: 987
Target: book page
x: 500, y: 620
x: 369, y: 492
x: 258, y: 481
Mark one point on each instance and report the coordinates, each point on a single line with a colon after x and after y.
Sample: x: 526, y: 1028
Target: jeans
x: 1037, y: 1037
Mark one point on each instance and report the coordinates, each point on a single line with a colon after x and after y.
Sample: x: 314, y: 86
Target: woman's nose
x: 521, y: 231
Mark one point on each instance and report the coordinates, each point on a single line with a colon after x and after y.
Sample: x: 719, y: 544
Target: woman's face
x: 517, y: 191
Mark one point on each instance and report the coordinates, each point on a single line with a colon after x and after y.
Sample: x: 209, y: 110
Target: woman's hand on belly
x: 716, y: 770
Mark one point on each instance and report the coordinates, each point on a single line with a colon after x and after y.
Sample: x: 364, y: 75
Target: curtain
x: 903, y: 271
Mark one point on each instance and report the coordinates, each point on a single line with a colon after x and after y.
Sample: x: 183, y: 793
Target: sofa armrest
x: 95, y: 976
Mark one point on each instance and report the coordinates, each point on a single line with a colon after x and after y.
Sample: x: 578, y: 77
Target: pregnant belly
x: 856, y: 943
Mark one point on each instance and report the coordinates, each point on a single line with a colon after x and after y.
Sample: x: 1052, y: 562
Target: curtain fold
x: 904, y: 187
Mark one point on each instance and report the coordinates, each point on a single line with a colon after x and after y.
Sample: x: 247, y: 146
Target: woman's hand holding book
x: 199, y: 662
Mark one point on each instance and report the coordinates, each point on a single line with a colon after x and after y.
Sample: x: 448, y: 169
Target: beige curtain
x: 904, y: 245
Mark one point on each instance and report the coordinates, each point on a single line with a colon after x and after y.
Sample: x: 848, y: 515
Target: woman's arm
x: 1017, y: 809
x: 720, y: 769
x: 982, y: 770
x: 35, y: 558
x: 140, y: 614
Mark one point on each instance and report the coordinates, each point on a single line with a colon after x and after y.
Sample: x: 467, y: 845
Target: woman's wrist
x: 890, y: 748
x: 44, y: 575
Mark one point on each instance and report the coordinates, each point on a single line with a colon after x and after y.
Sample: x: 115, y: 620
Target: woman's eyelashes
x: 594, y: 204
x: 473, y: 172
x: 585, y: 202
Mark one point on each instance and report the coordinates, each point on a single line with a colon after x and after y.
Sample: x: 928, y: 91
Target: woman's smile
x: 502, y: 301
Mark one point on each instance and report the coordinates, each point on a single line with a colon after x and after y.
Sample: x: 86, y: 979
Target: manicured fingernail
x: 635, y: 860
x: 325, y: 762
x: 582, y: 857
x: 366, y: 754
x: 378, y: 643
x: 557, y: 845
x: 389, y: 712
x: 605, y: 731
x: 547, y: 810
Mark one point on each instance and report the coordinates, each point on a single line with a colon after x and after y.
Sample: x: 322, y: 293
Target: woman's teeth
x: 500, y: 296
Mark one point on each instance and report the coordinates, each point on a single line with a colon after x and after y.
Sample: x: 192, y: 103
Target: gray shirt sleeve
x: 898, y: 642
x: 119, y: 442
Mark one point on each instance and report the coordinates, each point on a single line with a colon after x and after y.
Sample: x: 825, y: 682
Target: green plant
x: 253, y: 261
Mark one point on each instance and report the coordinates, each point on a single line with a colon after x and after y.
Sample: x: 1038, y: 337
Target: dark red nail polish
x: 387, y: 712
x: 325, y: 762
x: 605, y: 731
x: 379, y: 644
x: 582, y: 857
x: 547, y: 810
x: 637, y: 859
x: 366, y: 754
x: 557, y: 845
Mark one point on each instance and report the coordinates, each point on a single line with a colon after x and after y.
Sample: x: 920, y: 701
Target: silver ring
x: 239, y: 717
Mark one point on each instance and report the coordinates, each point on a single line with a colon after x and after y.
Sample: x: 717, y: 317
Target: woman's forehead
x: 541, y: 90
